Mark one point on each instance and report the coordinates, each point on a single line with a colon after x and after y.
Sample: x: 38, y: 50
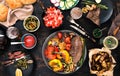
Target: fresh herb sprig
x: 99, y: 5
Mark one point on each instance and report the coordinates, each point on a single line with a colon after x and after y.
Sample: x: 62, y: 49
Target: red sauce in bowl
x: 29, y: 41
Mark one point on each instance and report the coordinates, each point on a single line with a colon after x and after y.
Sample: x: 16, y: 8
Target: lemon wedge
x: 18, y: 72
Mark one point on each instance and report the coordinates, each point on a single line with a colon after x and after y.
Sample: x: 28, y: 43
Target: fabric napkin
x: 17, y: 14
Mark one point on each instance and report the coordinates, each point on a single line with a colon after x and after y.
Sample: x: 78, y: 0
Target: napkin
x: 17, y: 14
x: 115, y: 24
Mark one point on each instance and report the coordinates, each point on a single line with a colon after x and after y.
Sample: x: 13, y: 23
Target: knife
x: 82, y: 32
x: 1, y: 35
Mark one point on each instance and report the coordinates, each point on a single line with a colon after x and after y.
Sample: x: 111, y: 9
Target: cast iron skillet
x: 10, y: 70
x: 45, y: 44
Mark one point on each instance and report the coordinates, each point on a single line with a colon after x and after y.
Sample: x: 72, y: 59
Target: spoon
x: 15, y: 43
x: 103, y: 29
x: 71, y: 20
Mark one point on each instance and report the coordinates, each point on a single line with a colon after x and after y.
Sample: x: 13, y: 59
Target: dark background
x: 40, y: 69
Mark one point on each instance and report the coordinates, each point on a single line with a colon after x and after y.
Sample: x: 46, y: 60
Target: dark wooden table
x: 40, y: 69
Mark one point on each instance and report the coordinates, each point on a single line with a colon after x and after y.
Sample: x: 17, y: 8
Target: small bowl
x: 110, y: 42
x: 12, y: 32
x: 26, y: 42
x: 31, y: 23
x: 76, y: 13
x: 97, y: 33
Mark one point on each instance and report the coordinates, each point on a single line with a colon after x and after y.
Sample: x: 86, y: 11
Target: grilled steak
x: 76, y: 49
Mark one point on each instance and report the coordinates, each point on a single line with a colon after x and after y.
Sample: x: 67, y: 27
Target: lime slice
x: 110, y: 42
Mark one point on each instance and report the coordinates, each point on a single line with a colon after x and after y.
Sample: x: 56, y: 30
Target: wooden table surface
x: 40, y: 69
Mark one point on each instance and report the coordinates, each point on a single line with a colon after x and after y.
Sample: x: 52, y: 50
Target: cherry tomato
x: 51, y: 57
x: 68, y: 47
x: 68, y: 40
x: 59, y: 34
x: 53, y: 17
x: 56, y: 49
x: 49, y: 52
x: 50, y: 48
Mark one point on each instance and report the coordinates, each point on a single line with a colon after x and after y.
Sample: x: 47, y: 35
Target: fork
x: 71, y: 20
x: 42, y: 5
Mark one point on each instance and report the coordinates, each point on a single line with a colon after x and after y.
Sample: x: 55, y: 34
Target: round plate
x: 51, y: 36
x: 106, y: 14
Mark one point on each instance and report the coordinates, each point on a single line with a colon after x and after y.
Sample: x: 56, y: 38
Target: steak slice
x: 76, y: 49
x: 94, y: 16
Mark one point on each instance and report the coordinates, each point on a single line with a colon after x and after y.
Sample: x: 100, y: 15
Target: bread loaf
x: 28, y: 1
x: 13, y: 4
x: 3, y: 12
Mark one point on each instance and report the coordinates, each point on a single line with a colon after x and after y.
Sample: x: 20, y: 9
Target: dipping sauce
x: 76, y: 13
x: 30, y: 41
x: 97, y: 33
x: 12, y: 32
x: 110, y: 42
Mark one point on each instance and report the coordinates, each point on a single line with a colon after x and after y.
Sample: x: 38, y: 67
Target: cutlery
x: 15, y: 43
x: 70, y: 19
x: 12, y: 61
x: 103, y: 29
x: 82, y: 32
x: 41, y: 5
x: 1, y: 35
x: 23, y: 57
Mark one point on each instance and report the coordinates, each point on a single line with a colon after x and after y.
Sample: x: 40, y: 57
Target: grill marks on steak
x: 76, y: 49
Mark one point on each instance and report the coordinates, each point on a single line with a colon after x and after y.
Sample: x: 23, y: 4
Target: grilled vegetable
x: 56, y: 64
x: 101, y: 62
x: 99, y: 5
x: 64, y: 55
